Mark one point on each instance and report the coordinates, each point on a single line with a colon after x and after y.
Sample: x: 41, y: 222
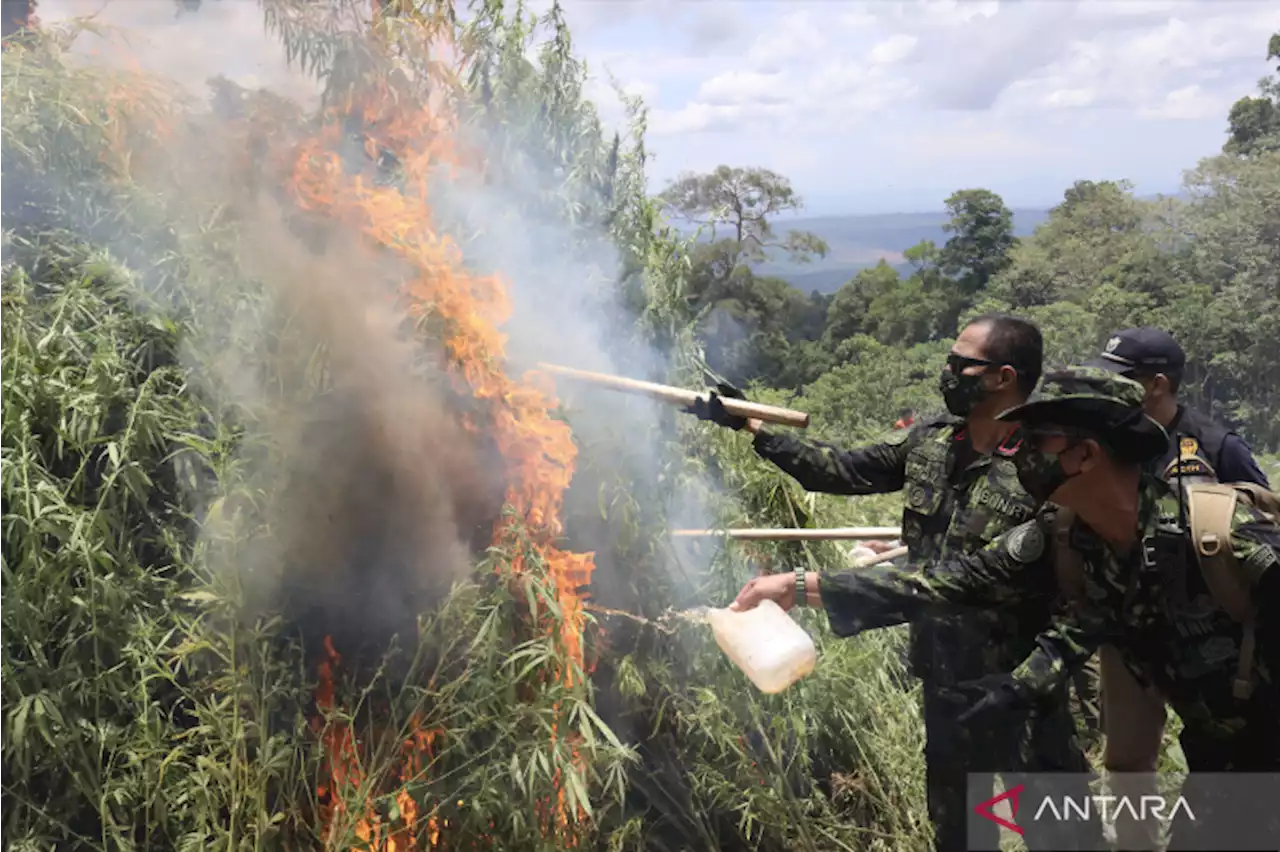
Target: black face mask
x: 1040, y: 473
x: 960, y: 392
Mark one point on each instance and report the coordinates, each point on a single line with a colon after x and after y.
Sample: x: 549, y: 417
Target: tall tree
x: 742, y: 201
x: 1099, y: 235
x: 748, y: 322
x: 982, y: 229
x: 1253, y: 125
x: 847, y: 313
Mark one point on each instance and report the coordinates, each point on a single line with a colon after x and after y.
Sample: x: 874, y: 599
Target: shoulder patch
x: 1260, y: 561
x: 1025, y: 542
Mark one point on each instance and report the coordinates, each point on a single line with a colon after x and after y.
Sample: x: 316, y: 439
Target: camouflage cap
x: 1097, y: 403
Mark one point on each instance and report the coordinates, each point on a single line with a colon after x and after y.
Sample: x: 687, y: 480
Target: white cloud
x: 896, y: 100
x: 698, y: 117
x: 743, y: 87
x: 1190, y: 103
x: 893, y: 49
x: 979, y: 143
x: 797, y: 35
x: 1078, y: 97
x: 901, y: 97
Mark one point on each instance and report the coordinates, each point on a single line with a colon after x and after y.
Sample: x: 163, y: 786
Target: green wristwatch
x: 801, y: 595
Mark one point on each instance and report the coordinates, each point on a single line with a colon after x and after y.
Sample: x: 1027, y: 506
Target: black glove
x: 713, y: 409
x: 997, y: 694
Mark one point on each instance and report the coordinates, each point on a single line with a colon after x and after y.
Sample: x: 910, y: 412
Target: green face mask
x: 961, y: 391
x: 1040, y: 473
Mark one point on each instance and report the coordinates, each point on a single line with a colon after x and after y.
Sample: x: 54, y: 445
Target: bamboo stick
x: 765, y: 534
x: 681, y: 396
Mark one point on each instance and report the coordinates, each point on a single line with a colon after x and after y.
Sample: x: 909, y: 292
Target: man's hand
x: 779, y: 588
x: 875, y: 545
x: 713, y: 410
x: 997, y: 694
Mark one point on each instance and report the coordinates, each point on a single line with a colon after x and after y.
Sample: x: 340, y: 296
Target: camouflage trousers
x: 1086, y: 702
x: 1047, y: 744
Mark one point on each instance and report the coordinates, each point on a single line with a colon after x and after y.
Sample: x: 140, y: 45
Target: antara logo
x: 1111, y: 807
x: 984, y: 809
x: 1085, y: 809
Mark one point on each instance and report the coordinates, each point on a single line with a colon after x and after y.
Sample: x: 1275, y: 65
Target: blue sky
x: 868, y: 107
x: 888, y: 106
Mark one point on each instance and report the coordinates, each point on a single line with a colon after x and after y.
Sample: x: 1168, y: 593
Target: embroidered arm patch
x: 1025, y: 542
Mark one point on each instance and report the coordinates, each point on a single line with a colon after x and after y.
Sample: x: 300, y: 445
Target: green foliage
x: 983, y: 236
x: 742, y: 201
x: 752, y: 325
x: 1253, y: 125
x: 875, y: 382
x: 156, y: 697
x: 1099, y: 235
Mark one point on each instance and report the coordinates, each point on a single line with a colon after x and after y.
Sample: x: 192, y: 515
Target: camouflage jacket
x: 1151, y: 602
x: 973, y: 583
x: 950, y: 507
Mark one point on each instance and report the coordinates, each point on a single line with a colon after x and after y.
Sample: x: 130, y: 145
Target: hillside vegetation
x: 1203, y: 265
x: 855, y: 243
x: 296, y: 555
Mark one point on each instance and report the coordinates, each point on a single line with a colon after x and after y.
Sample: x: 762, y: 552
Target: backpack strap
x: 1067, y: 563
x: 1211, y: 508
x: 1263, y: 500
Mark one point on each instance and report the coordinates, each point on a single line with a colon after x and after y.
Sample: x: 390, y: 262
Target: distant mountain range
x: 859, y: 242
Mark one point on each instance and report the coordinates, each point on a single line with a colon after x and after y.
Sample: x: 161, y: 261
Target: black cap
x: 1140, y: 350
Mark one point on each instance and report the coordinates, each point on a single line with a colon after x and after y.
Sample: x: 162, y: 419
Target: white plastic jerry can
x: 766, y: 643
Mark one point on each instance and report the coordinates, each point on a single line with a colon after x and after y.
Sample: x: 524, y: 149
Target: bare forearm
x: 812, y: 590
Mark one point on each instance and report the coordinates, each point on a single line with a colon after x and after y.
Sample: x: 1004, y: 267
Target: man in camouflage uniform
x: 1152, y: 357
x: 1141, y: 590
x: 961, y: 492
x: 1086, y: 441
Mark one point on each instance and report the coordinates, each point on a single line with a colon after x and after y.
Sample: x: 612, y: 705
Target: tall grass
x: 151, y: 701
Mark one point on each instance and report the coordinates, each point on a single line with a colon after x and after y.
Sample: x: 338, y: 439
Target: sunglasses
x: 958, y: 362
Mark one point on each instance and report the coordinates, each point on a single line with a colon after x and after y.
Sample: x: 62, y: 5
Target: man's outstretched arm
x: 824, y: 468
x: 1011, y: 569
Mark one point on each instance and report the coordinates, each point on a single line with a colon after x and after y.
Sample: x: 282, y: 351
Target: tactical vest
x: 1210, y: 517
x: 931, y: 520
x: 925, y: 486
x: 925, y: 518
x: 1211, y: 509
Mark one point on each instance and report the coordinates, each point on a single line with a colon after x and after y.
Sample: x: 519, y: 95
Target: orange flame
x: 538, y: 450
x: 342, y: 765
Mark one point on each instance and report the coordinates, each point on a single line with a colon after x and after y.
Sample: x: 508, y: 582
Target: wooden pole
x: 680, y: 396
x: 765, y: 534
